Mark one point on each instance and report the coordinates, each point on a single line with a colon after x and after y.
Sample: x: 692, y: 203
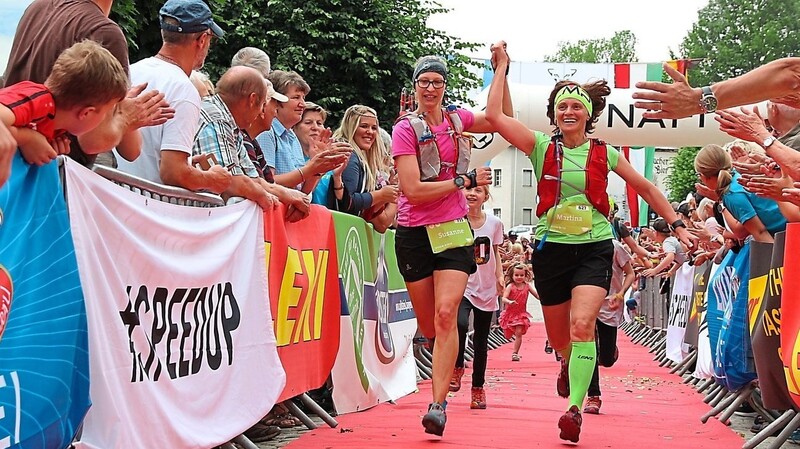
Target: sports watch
x: 708, y: 102
x: 677, y: 224
x: 459, y: 182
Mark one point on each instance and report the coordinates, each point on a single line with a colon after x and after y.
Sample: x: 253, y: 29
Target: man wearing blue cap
x: 187, y: 29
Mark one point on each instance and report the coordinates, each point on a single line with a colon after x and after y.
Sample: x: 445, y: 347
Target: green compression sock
x: 581, y: 368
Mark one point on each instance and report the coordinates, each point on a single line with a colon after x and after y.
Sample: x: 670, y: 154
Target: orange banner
x: 303, y: 278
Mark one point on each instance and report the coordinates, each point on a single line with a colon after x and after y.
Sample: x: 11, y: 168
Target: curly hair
x: 518, y: 266
x: 597, y: 90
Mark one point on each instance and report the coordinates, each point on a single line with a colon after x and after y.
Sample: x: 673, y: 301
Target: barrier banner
x: 733, y: 355
x: 375, y: 362
x: 704, y: 368
x: 679, y: 313
x: 767, y: 334
x: 697, y: 303
x: 760, y: 257
x: 44, y: 360
x: 790, y: 316
x: 182, y: 351
x: 304, y: 284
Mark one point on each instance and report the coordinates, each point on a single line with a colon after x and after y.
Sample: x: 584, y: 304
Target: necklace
x: 167, y: 59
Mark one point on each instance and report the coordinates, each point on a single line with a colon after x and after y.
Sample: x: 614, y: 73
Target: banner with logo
x: 697, y: 301
x: 44, y: 363
x: 679, y: 312
x: 727, y: 304
x: 760, y: 256
x: 304, y: 285
x: 182, y: 349
x: 704, y: 368
x: 375, y: 362
x: 790, y: 316
x: 766, y: 335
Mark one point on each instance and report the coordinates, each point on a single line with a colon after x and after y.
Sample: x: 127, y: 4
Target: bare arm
x: 419, y: 192
x: 514, y: 131
x: 654, y: 197
x: 176, y: 171
x: 482, y: 125
x: 665, y: 262
x: 498, y: 269
x: 678, y: 99
x: 756, y: 228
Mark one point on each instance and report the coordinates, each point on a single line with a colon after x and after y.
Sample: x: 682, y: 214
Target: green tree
x: 621, y: 47
x: 349, y: 51
x: 682, y: 175
x: 735, y: 36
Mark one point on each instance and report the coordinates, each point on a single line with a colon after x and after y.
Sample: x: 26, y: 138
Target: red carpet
x: 643, y: 407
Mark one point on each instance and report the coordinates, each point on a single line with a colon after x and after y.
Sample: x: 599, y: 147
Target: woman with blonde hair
x: 375, y: 203
x: 760, y: 217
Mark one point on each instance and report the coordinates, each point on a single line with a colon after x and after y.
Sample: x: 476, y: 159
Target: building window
x: 498, y: 177
x: 496, y: 212
x: 527, y: 215
x: 527, y: 177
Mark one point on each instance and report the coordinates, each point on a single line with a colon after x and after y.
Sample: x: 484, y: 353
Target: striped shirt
x: 219, y: 135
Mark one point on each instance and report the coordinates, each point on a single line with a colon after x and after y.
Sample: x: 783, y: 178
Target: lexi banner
x: 44, y: 362
x: 375, y: 362
x: 180, y: 328
x: 304, y: 287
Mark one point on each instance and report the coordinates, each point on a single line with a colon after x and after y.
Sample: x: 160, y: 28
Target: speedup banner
x: 181, y: 342
x: 44, y: 364
x: 375, y: 362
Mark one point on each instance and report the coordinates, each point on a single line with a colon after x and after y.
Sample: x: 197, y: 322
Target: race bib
x: 448, y: 235
x: 571, y: 218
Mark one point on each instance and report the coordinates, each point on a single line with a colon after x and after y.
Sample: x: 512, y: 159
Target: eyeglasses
x: 437, y: 84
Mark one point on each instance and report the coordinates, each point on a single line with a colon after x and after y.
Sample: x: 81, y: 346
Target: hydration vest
x: 430, y: 163
x: 596, y: 172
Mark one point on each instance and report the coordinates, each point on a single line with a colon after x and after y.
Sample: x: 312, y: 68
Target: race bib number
x: 448, y: 235
x: 570, y: 218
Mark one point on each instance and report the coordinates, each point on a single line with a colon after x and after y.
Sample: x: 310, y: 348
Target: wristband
x: 341, y: 187
x: 302, y: 176
x: 508, y: 66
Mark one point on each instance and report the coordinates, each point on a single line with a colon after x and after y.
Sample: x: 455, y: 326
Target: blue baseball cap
x: 193, y: 16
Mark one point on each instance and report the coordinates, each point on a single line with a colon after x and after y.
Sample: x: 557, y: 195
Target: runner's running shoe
x: 455, y: 381
x: 592, y: 406
x: 570, y: 424
x: 562, y: 383
x: 478, y: 398
x: 434, y: 420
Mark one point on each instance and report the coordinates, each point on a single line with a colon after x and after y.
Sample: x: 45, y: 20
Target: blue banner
x: 44, y: 360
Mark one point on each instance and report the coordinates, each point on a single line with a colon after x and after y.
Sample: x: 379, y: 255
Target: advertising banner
x: 180, y: 333
x: 375, y: 361
x: 44, y: 359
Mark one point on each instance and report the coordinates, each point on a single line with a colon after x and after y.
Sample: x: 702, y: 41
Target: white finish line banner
x: 181, y: 343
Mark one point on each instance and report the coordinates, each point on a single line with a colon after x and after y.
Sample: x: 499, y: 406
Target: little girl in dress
x: 515, y: 319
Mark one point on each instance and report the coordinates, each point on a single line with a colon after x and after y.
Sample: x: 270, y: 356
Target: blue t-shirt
x: 745, y: 205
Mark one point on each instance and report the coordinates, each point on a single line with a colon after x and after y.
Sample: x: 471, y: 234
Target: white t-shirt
x: 176, y: 134
x: 621, y: 257
x: 672, y: 245
x: 482, y: 285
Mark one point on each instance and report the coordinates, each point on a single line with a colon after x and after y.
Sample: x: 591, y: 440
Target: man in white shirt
x: 186, y: 30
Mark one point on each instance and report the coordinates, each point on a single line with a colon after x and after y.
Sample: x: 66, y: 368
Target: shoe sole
x: 454, y: 389
x: 569, y: 430
x: 432, y: 426
x: 477, y: 407
x: 591, y: 411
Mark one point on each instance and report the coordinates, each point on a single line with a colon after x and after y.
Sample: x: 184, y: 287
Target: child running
x: 480, y: 297
x: 515, y: 319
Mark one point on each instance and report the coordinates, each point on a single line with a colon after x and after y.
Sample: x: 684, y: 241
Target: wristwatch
x: 708, y: 102
x: 678, y: 224
x: 459, y: 182
x: 767, y: 142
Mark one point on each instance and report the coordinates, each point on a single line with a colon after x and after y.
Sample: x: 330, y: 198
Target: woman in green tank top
x: 573, y: 255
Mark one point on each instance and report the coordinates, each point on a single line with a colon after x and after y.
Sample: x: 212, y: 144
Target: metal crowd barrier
x: 650, y: 329
x: 184, y: 197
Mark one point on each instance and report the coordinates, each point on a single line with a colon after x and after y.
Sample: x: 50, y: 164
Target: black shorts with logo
x: 560, y: 267
x: 416, y: 260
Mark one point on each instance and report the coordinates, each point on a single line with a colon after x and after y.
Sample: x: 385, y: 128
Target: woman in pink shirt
x: 433, y: 240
